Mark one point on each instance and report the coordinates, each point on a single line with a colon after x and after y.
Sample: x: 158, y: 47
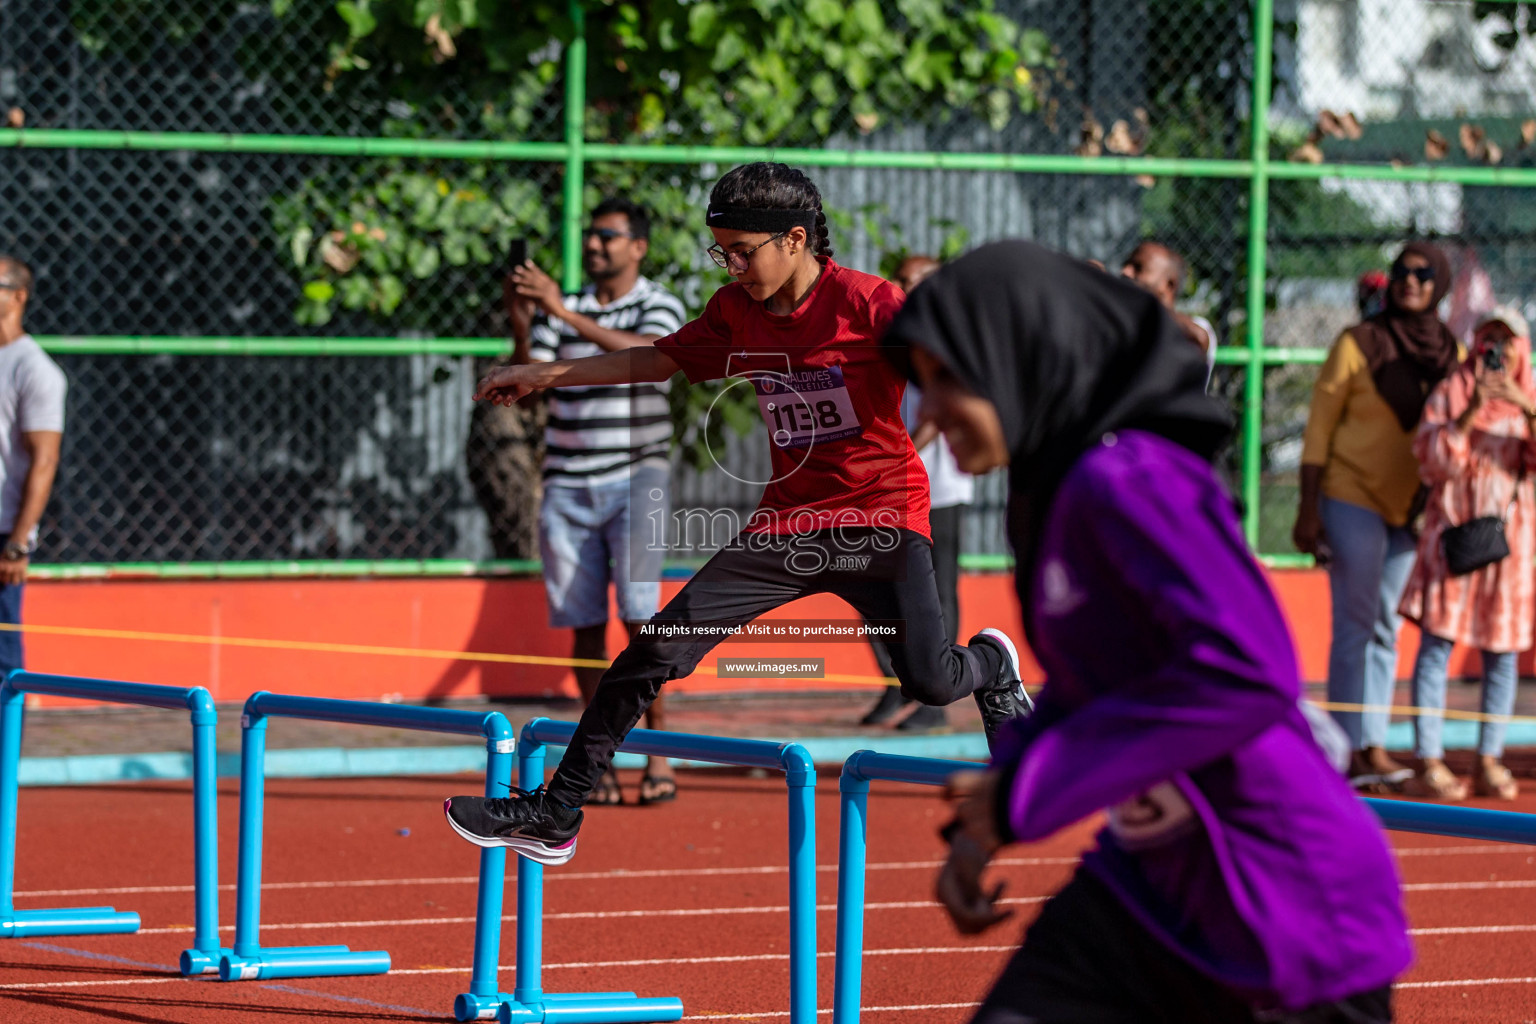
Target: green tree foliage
x: 660, y: 72
x: 378, y: 237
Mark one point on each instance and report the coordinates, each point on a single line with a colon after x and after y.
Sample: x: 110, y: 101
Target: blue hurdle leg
x: 802, y: 893
x: 484, y: 998
x: 205, y: 954
x: 12, y: 710
x: 17, y: 924
x: 852, y: 852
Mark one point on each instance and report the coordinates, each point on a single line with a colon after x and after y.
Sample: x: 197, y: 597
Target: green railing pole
x: 651, y: 153
x: 269, y: 345
x: 1258, y: 234
x: 575, y: 140
x: 176, y: 345
x: 283, y: 145
x: 292, y: 569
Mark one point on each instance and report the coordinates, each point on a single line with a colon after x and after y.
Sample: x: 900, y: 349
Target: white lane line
x: 1459, y: 851
x: 119, y: 981
x: 1467, y: 983
x: 1488, y: 929
x: 579, y: 915
x: 897, y: 951
x: 744, y: 958
x: 619, y: 874
x: 1512, y: 883
x: 572, y: 965
x: 1458, y: 983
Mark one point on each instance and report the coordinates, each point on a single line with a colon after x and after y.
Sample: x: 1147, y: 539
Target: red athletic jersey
x: 831, y: 401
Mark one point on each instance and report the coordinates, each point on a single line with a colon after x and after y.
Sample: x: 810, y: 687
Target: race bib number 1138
x: 806, y: 406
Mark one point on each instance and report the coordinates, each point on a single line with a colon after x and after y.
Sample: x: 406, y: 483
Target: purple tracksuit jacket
x: 1171, y: 702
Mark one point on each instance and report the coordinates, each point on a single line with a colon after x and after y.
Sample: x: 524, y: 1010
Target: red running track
x: 687, y: 899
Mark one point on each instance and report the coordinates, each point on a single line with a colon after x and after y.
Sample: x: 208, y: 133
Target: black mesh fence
x: 210, y: 457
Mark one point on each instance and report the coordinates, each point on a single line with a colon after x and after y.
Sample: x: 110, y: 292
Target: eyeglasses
x: 739, y: 260
x: 605, y: 235
x: 1425, y: 274
x: 8, y: 286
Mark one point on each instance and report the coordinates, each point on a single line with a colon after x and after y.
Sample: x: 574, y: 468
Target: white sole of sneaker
x: 534, y: 850
x: 1013, y: 659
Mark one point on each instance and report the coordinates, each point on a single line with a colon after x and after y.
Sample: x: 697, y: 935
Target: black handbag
x: 1478, y: 542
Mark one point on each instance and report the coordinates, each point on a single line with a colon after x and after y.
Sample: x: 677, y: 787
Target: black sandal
x: 607, y: 793
x: 657, y: 789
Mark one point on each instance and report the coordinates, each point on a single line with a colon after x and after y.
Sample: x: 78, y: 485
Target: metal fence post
x: 575, y: 141
x: 1258, y: 236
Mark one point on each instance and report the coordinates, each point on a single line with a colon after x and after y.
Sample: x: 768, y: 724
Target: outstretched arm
x: 639, y: 365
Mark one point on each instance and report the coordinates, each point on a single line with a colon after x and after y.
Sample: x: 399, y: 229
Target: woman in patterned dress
x: 1476, y: 448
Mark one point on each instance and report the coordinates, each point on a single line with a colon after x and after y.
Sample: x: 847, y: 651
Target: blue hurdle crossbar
x: 203, y: 957
x: 249, y: 959
x: 530, y: 1004
x: 865, y: 765
x: 1457, y: 822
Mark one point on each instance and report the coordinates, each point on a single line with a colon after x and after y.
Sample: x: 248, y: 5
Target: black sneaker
x: 1005, y: 698
x: 528, y: 822
x: 888, y: 707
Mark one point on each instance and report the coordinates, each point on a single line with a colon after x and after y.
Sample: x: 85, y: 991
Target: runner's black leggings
x: 751, y: 578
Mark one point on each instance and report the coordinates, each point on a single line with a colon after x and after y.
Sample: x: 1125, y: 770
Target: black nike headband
x: 746, y: 218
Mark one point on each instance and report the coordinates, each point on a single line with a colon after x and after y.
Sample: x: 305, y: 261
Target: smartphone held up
x: 517, y: 255
x: 1493, y: 358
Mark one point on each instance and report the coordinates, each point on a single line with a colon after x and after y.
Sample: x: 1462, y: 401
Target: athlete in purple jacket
x: 1238, y: 878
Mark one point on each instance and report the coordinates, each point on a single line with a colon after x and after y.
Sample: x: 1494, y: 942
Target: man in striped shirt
x: 605, y: 463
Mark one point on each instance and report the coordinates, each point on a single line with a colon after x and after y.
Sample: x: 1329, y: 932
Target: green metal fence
x: 1261, y: 188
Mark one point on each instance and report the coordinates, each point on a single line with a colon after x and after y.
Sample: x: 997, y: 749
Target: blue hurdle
x: 530, y: 1004
x: 865, y: 765
x: 859, y: 770
x: 249, y: 959
x: 203, y: 957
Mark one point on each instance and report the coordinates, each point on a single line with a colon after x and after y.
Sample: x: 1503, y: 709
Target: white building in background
x: 1403, y: 61
x: 1395, y: 59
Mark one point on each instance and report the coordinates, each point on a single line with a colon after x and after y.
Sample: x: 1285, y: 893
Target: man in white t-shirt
x: 31, y: 429
x: 1161, y: 271
x: 950, y: 490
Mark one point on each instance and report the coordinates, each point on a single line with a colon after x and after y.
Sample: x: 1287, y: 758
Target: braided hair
x: 767, y: 186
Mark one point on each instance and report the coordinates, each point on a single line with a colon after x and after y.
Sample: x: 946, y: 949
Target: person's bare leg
x: 656, y: 768
x: 591, y: 644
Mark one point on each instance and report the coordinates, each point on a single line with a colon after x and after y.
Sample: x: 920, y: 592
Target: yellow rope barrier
x: 335, y: 648
x: 536, y: 659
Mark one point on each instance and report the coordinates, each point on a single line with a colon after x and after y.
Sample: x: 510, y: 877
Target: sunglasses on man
x: 1424, y: 274
x: 605, y: 235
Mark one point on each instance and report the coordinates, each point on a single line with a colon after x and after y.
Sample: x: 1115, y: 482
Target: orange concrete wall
x: 498, y: 616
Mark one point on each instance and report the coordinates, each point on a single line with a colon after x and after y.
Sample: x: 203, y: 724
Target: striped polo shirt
x: 595, y: 434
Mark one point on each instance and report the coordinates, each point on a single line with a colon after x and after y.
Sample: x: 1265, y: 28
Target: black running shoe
x: 529, y: 822
x: 888, y: 707
x: 1005, y: 698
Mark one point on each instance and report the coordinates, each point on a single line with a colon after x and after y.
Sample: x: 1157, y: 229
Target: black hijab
x: 1066, y: 353
x: 1409, y: 353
